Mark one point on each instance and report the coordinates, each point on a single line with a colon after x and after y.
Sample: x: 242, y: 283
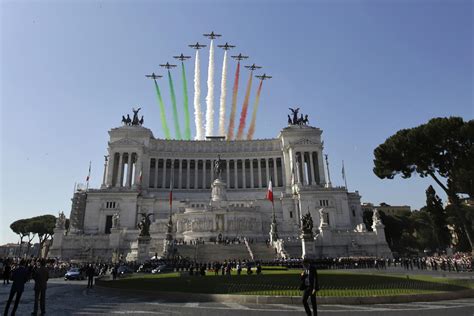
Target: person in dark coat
x: 90, y: 272
x: 19, y: 277
x: 6, y: 273
x: 114, y: 272
x: 41, y: 276
x: 309, y: 286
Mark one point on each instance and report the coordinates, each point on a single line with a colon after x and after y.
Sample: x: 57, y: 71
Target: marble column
x: 244, y: 178
x: 267, y: 170
x: 311, y: 162
x: 322, y: 174
x: 110, y: 169
x: 275, y: 173
x: 138, y: 169
x: 236, y: 180
x: 105, y: 173
x: 204, y: 173
x: 163, y: 181
x: 251, y: 174
x: 118, y: 183
x: 180, y: 174
x: 228, y: 173
x: 212, y: 171
x: 128, y: 180
x: 196, y: 173
x: 155, y: 182
x: 259, y: 164
x: 188, y: 173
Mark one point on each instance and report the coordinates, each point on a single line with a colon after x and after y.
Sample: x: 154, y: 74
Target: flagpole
x: 88, y: 176
x: 344, y: 174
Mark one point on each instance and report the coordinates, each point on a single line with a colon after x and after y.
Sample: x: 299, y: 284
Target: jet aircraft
x: 212, y: 35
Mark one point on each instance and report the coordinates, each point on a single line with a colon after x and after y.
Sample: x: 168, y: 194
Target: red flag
x: 270, y: 191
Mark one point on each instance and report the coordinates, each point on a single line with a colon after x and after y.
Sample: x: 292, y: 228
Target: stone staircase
x: 187, y: 251
x: 262, y: 252
x: 220, y: 252
x: 293, y: 249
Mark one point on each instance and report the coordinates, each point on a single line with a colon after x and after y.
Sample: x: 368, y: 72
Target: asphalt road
x: 73, y: 298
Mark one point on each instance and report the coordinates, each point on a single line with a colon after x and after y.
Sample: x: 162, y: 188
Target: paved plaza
x: 73, y: 298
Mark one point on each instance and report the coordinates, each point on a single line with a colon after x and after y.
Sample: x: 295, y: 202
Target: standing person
x: 90, y: 272
x: 6, y: 272
x: 114, y: 272
x: 309, y: 286
x: 19, y: 277
x: 41, y: 276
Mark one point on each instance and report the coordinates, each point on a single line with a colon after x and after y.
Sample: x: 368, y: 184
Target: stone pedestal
x: 219, y: 194
x: 143, y: 250
x: 307, y: 247
x: 56, y: 247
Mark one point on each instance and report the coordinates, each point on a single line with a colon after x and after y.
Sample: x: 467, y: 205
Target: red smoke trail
x: 243, y: 114
x: 254, y: 113
x: 230, y: 132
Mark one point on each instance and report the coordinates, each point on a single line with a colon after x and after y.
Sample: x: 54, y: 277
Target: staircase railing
x: 248, y: 248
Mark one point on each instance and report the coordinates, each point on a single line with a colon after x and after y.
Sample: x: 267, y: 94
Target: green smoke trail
x: 187, y: 128
x: 177, y: 130
x: 162, y: 112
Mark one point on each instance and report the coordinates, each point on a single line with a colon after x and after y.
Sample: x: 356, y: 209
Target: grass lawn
x: 286, y: 282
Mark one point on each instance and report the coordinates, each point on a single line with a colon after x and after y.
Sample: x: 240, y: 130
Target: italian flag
x: 270, y: 191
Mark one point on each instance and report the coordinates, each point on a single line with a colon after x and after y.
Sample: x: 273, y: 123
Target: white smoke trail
x: 210, y: 93
x: 223, y: 96
x: 197, y: 99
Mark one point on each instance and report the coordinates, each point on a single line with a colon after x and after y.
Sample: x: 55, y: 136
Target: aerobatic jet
x: 253, y: 67
x: 197, y: 46
x: 168, y: 66
x: 226, y: 46
x: 153, y: 76
x: 182, y: 57
x: 239, y: 57
x: 212, y: 35
x: 264, y: 77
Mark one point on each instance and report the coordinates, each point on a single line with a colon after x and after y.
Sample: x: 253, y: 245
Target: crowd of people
x: 21, y: 270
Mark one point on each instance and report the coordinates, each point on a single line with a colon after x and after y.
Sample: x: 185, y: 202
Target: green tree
x: 19, y: 227
x: 440, y: 149
x: 434, y: 207
x: 43, y: 226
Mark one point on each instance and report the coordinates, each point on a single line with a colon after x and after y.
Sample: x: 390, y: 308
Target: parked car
x: 74, y: 274
x: 162, y: 269
x: 124, y: 270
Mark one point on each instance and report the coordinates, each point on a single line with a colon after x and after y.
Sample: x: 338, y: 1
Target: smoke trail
x: 243, y: 114
x: 210, y: 93
x: 254, y: 113
x: 162, y: 111
x: 223, y: 96
x: 230, y: 132
x: 175, y: 108
x: 197, y: 99
x: 187, y: 129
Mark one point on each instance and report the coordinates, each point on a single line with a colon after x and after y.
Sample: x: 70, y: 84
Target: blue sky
x: 361, y: 69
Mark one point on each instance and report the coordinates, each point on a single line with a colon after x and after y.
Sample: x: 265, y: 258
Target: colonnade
x: 309, y: 167
x: 199, y: 173
x: 124, y: 169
